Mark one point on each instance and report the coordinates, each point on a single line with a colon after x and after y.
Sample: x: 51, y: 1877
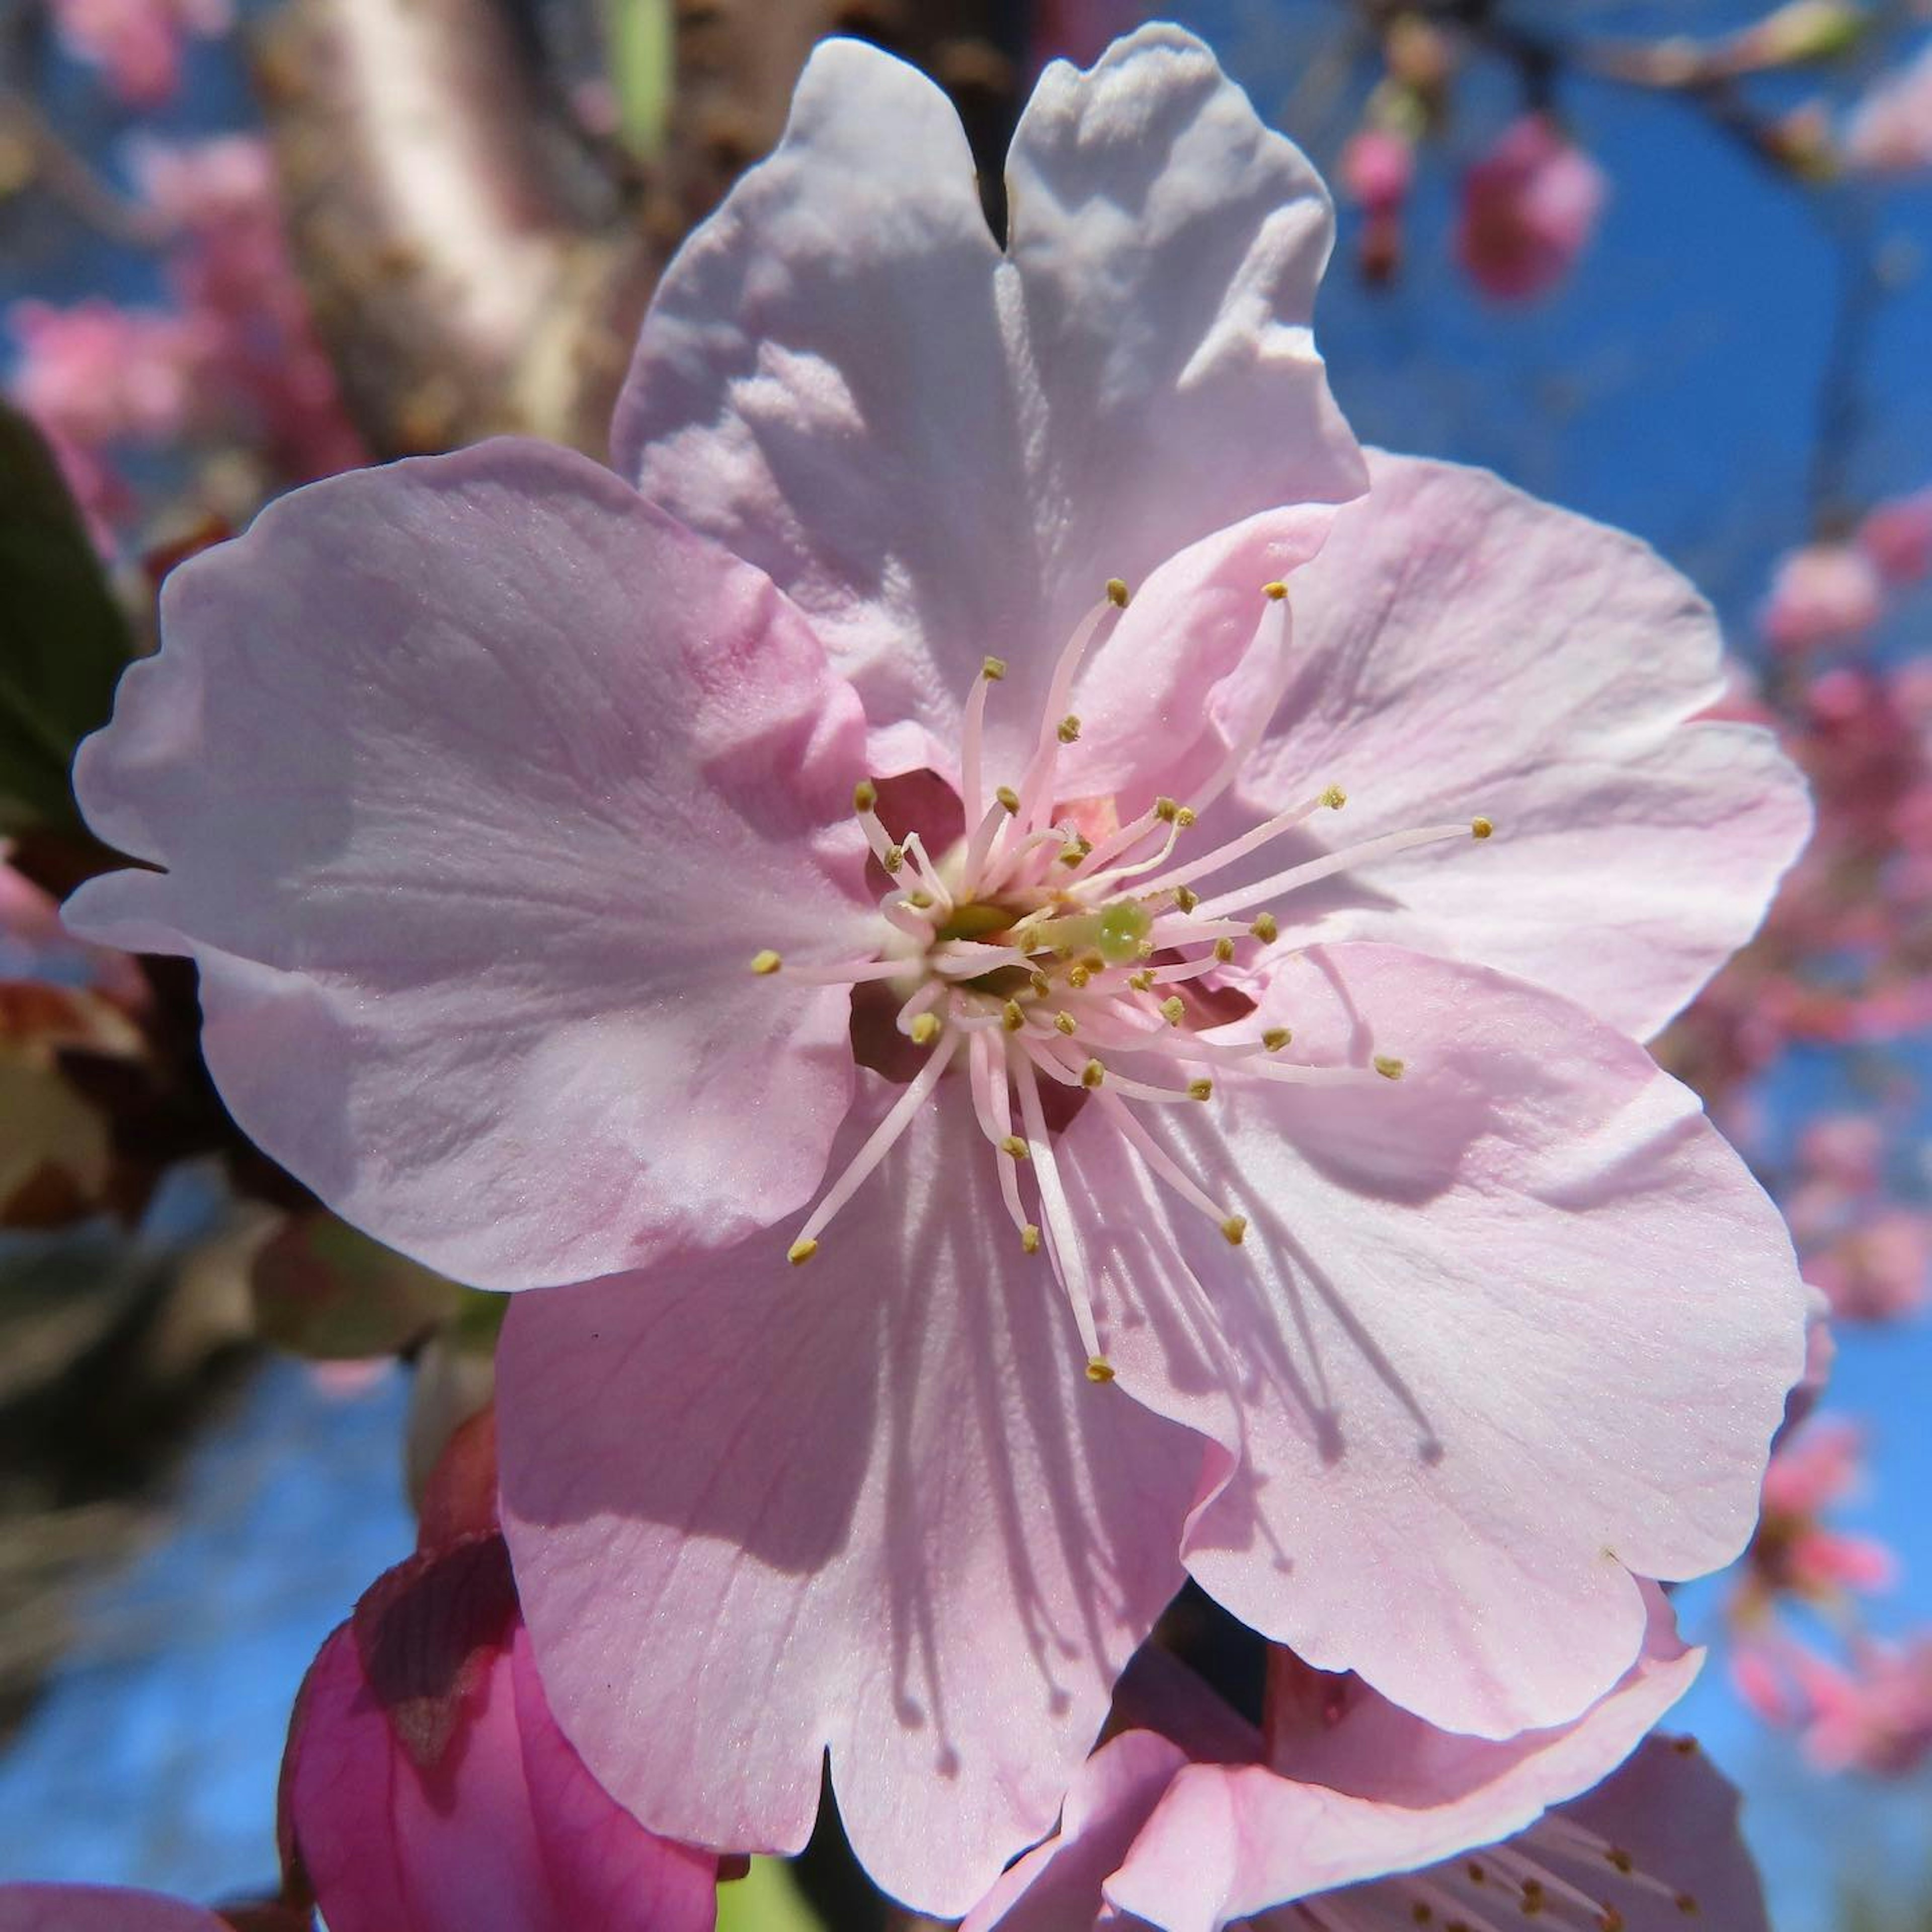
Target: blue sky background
x: 1671, y: 388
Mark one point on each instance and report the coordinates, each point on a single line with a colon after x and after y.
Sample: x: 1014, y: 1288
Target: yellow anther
x: 1030, y: 1239
x: 1015, y: 1147
x: 992, y: 669
x: 1480, y: 828
x: 1116, y: 593
x: 800, y: 1253
x: 1201, y: 1090
x: 1334, y: 798
x: 1144, y: 950
x: 1224, y: 949
x: 1010, y: 798
x: 1166, y: 810
x: 1687, y: 1904
x: 894, y: 858
x: 1264, y: 929
x: 1011, y: 1017
x: 1186, y: 817
x: 1142, y: 981
x: 1092, y: 1074
x: 1039, y: 982
x: 925, y: 1029
x: 1099, y: 1369
x: 1172, y: 1010
x: 1275, y: 1038
x: 1069, y: 729
x: 1078, y: 974
x: 1388, y: 1066
x: 767, y: 961
x: 1620, y: 1859
x: 865, y: 796
x: 1277, y: 590
x: 1234, y: 1230
x: 1075, y: 850
x: 920, y: 899
x: 1186, y: 899
x: 1064, y: 1022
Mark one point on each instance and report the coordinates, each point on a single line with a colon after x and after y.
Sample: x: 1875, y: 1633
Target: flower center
x: 1054, y: 947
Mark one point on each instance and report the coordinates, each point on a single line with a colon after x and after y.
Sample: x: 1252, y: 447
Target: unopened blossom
x: 427, y: 1788
x: 1378, y: 170
x: 138, y: 44
x: 1343, y: 1813
x: 1823, y: 594
x: 1036, y: 1001
x: 1530, y: 204
x: 1890, y: 130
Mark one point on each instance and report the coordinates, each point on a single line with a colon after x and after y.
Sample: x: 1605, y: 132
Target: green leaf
x: 642, y: 39
x: 765, y: 1900
x: 63, y: 640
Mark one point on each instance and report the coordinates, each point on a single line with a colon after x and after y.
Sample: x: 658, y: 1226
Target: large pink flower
x: 1435, y: 1310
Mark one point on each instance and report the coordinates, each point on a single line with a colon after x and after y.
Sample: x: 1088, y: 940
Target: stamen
x: 1345, y: 860
x: 1269, y: 829
x: 766, y: 962
x: 1068, y: 1262
x: 987, y: 1070
x: 973, y: 734
x: 855, y: 974
x: 1168, y: 1169
x: 877, y: 1146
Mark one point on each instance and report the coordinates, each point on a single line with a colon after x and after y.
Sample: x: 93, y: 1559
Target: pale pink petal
x: 871, y: 1505
x: 1502, y: 1332
x: 480, y: 1819
x: 478, y: 783
x: 98, y: 1908
x: 1373, y: 1788
x: 1465, y: 650
x: 941, y: 450
x: 1057, y: 1886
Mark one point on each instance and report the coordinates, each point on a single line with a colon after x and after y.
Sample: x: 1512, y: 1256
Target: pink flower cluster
x: 1833, y: 593
x: 235, y: 360
x: 137, y: 44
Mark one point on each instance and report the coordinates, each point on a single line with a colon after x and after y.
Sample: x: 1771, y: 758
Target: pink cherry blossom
x: 1794, y: 1549
x: 1897, y: 536
x: 138, y: 43
x: 1879, y: 1269
x: 99, y: 1908
x: 1890, y: 131
x: 1070, y: 1053
x: 98, y: 373
x: 1354, y: 1815
x: 1825, y: 593
x: 1529, y: 208
x: 1377, y: 171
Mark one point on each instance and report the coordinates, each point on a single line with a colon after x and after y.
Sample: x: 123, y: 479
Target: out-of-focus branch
x: 474, y: 265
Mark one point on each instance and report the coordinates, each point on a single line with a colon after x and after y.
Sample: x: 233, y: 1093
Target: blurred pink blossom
x: 1890, y: 130
x: 137, y: 43
x: 255, y: 345
x: 1529, y: 207
x: 1794, y: 1549
x: 97, y: 374
x: 1377, y: 172
x: 1874, y: 1715
x: 1897, y: 536
x: 1825, y: 593
x: 1878, y: 1270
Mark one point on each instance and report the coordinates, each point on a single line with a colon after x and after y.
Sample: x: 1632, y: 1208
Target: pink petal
x: 1501, y: 1333
x: 941, y: 450
x: 872, y: 1505
x: 1469, y: 650
x: 1376, y: 1790
x: 1057, y: 1886
x: 471, y: 774
x: 98, y: 1908
x: 488, y: 1823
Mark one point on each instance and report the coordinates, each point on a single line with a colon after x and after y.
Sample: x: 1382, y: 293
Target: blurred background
x: 1668, y: 264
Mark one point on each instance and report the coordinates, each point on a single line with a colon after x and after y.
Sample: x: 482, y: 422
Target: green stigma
x: 1123, y: 925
